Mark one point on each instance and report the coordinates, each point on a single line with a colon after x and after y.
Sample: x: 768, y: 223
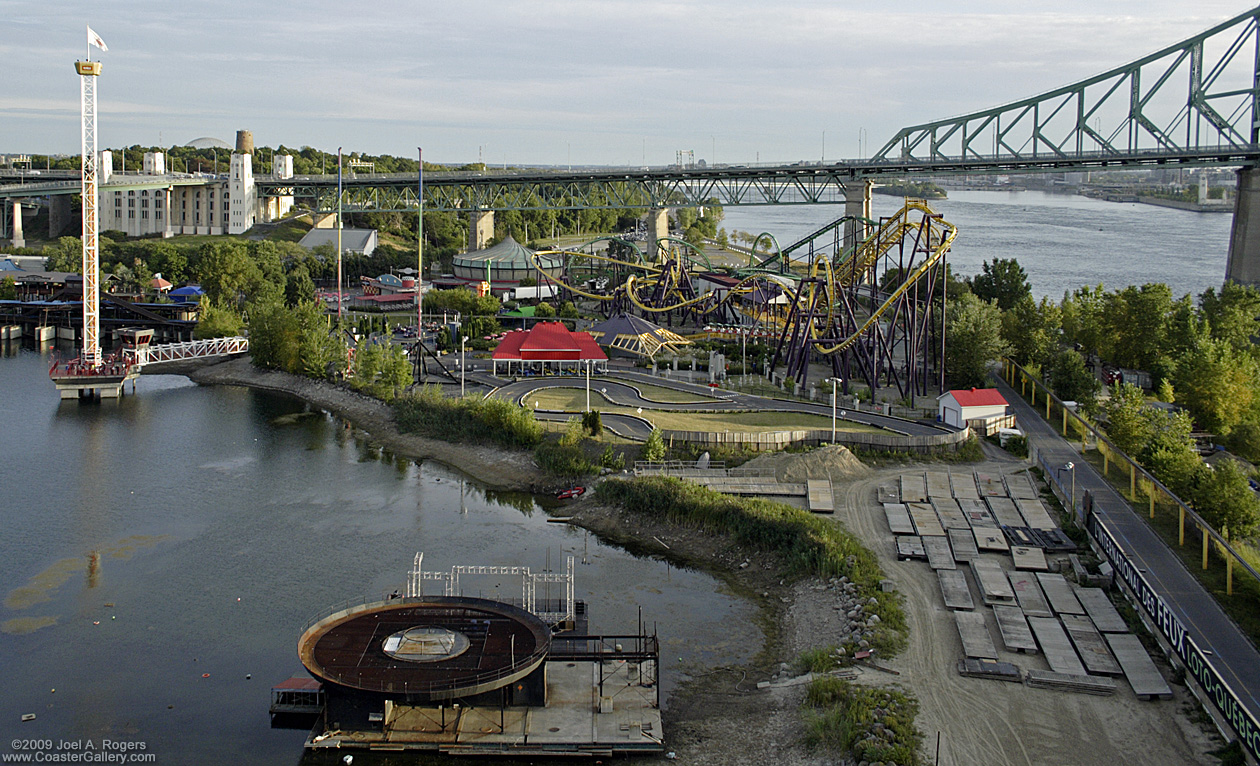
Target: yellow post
x: 1150, y: 494
x: 1047, y: 404
x: 1065, y: 433
x: 1205, y: 546
x: 1023, y: 385
x: 1106, y: 459
x: 1132, y: 481
x: 1181, y: 514
x: 1229, y: 575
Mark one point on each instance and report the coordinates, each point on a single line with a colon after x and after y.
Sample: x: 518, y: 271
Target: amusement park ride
x: 834, y: 305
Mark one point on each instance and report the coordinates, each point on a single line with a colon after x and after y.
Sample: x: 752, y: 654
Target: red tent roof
x: 548, y: 342
x: 979, y: 397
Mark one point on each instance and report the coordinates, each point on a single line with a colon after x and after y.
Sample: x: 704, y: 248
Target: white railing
x: 193, y: 349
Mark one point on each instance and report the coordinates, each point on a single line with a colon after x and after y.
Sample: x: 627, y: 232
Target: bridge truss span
x: 1194, y: 102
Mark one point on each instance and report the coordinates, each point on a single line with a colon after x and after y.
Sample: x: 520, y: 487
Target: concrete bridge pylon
x: 1243, y: 265
x: 480, y: 229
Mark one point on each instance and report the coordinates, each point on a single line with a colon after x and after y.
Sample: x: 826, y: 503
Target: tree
x: 273, y: 335
x: 1244, y: 440
x: 322, y: 352
x: 1002, y: 280
x: 544, y: 311
x: 1128, y: 425
x: 1234, y: 315
x: 1224, y: 499
x: 1218, y: 382
x: 654, y: 447
x: 66, y: 254
x: 298, y: 286
x: 8, y: 289
x: 1031, y: 331
x: 1137, y: 318
x: 1082, y: 317
x: 217, y: 321
x: 974, y: 333
x: 1071, y: 381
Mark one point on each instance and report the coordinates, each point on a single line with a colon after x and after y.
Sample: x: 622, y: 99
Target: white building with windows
x: 214, y: 205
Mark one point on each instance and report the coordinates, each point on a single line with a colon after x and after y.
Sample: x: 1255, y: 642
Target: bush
x: 608, y: 460
x: 593, y: 424
x: 428, y: 412
x: 845, y: 717
x: 654, y: 447
x: 1017, y: 446
x: 563, y: 459
x: 806, y: 544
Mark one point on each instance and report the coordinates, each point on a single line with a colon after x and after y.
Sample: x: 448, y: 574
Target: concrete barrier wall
x: 776, y: 440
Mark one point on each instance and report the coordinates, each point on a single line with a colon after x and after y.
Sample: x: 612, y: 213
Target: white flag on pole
x: 95, y: 39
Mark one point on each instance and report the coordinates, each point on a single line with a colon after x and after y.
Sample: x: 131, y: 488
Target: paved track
x: 1235, y: 657
x: 620, y: 390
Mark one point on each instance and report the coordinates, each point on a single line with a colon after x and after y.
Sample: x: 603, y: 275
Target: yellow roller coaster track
x: 940, y: 235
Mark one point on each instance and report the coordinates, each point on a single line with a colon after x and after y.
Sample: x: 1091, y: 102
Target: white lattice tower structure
x: 529, y: 584
x: 88, y: 72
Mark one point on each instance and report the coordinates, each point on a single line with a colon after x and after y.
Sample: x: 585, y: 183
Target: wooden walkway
x: 1101, y: 611
x: 1031, y: 600
x: 994, y: 587
x: 954, y: 589
x: 976, y: 641
x: 1014, y: 629
x: 1059, y: 593
x: 1055, y: 645
x: 1090, y: 646
x: 820, y: 496
x: 1141, y: 673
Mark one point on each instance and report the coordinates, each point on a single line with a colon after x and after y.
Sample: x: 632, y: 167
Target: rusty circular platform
x: 425, y: 648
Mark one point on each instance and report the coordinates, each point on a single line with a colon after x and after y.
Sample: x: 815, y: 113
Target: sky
x: 555, y: 82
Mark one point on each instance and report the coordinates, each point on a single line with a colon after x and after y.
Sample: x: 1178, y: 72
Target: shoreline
x: 490, y: 465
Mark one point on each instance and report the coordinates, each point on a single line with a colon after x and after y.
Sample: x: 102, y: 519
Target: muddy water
x: 189, y: 531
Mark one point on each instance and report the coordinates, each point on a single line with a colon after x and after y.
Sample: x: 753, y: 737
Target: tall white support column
x: 88, y: 72
x: 857, y: 202
x: 658, y: 228
x: 18, y: 239
x: 480, y: 229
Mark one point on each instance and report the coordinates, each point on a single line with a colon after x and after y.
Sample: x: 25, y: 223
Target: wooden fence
x: 777, y: 440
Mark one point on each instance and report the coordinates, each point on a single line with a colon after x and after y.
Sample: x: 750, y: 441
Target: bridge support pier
x: 658, y: 228
x: 857, y: 202
x: 17, y: 239
x: 480, y: 229
x: 59, y: 217
x: 1243, y: 265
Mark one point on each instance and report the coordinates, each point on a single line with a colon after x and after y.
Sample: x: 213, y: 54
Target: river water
x: 191, y: 530
x: 1063, y: 241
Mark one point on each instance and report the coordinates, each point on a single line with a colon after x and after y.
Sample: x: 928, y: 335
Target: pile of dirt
x: 830, y: 462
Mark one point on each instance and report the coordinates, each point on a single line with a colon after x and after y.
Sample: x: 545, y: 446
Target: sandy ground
x: 718, y: 716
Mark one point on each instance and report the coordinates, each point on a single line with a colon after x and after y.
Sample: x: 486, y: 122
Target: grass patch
x: 428, y: 412
x: 574, y: 400
x: 873, y: 725
x: 807, y: 544
x: 820, y: 659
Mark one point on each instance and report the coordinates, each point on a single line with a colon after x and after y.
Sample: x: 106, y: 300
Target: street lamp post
x: 588, y: 385
x: 834, y: 397
x: 463, y: 362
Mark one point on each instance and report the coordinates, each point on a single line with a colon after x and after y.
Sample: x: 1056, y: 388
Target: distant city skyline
x: 599, y: 83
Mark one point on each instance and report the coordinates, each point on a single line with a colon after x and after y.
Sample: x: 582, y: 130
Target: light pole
x: 834, y: 397
x: 588, y: 385
x: 1072, y: 497
x: 463, y: 362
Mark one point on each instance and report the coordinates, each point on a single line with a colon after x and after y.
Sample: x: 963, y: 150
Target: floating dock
x: 939, y: 554
x: 994, y: 587
x: 1059, y: 593
x: 1090, y: 646
x: 898, y: 519
x: 820, y: 498
x: 1029, y: 559
x: 1031, y: 600
x: 1016, y: 635
x: 963, y: 541
x: 925, y: 521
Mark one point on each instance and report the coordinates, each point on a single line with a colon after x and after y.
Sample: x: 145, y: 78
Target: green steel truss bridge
x: 1195, y: 103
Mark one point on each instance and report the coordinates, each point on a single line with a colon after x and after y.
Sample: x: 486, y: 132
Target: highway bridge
x: 1192, y: 104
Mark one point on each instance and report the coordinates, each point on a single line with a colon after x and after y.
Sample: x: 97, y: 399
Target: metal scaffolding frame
x: 529, y: 584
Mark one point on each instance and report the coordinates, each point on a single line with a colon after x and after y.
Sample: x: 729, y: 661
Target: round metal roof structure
x: 508, y: 261
x: 208, y: 142
x: 425, y: 648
